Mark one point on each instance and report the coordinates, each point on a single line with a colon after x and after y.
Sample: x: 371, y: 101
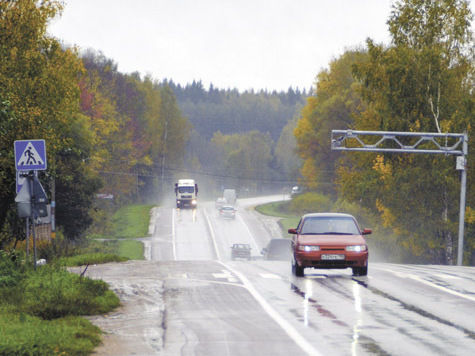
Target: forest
x: 104, y: 130
x: 124, y: 136
x: 241, y: 140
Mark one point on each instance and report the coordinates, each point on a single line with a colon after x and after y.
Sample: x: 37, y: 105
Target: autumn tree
x: 333, y: 105
x: 39, y: 80
x: 422, y: 82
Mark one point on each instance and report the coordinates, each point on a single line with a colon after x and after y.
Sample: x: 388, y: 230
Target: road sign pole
x: 463, y: 189
x: 33, y: 202
x: 27, y: 238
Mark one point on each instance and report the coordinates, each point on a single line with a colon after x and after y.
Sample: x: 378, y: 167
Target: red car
x: 329, y: 240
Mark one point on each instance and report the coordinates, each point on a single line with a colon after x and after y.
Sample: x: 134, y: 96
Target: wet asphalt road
x: 190, y: 298
x: 215, y: 306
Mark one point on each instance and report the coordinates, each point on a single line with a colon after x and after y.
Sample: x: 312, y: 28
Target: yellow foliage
x: 309, y: 172
x: 387, y: 217
x: 469, y: 215
x: 384, y: 169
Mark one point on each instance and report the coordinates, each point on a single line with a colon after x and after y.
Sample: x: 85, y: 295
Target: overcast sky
x: 242, y: 44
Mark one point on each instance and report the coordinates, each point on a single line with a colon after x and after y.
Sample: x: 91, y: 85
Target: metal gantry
x: 411, y: 142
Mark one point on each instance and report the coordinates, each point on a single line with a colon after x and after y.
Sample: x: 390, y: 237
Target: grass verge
x: 40, y: 309
x: 131, y: 221
x: 280, y: 209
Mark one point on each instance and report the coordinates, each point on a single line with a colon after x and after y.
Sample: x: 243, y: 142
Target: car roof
x: 328, y: 215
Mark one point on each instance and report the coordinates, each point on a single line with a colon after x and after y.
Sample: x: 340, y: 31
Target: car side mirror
x: 292, y: 231
x: 367, y: 231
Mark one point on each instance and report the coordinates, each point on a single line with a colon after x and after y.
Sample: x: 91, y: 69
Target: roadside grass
x: 280, y: 209
x: 40, y: 309
x: 131, y: 221
x: 128, y: 223
x: 90, y: 258
x: 23, y: 334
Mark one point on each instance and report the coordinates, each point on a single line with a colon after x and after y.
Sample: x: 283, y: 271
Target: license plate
x: 333, y: 257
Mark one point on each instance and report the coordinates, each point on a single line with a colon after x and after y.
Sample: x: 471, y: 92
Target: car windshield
x: 330, y: 225
x: 186, y: 189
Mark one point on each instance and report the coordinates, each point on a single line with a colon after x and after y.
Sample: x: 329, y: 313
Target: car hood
x: 323, y: 240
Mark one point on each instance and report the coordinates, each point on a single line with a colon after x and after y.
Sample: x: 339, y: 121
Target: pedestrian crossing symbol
x: 30, y: 155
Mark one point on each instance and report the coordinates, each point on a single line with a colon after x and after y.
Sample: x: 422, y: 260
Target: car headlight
x: 193, y: 202
x: 356, y: 248
x: 308, y: 248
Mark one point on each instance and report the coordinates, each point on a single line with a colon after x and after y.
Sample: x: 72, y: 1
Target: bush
x: 310, y: 203
x: 53, y: 293
x: 10, y: 270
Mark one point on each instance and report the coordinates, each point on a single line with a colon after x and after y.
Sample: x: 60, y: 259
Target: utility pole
x: 459, y: 147
x: 162, y: 175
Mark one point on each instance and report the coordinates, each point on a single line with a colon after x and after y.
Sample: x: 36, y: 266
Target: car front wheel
x: 360, y: 271
x: 297, y: 270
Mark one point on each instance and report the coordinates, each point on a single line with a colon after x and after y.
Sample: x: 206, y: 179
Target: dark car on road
x: 329, y: 240
x: 241, y: 251
x: 277, y: 250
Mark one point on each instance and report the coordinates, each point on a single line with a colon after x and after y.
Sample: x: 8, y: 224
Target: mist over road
x: 190, y: 298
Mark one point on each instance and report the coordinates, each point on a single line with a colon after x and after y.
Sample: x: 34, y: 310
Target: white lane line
x: 251, y: 240
x: 226, y: 275
x: 446, y: 276
x: 213, y: 237
x: 418, y: 279
x: 173, y: 234
x: 269, y: 275
x: 284, y: 324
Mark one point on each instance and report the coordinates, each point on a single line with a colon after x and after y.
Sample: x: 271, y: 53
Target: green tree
x: 420, y: 83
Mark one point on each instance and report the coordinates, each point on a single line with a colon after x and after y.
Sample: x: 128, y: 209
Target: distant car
x: 219, y: 203
x: 295, y: 191
x: 227, y: 212
x: 277, y: 249
x: 241, y: 251
x: 329, y: 240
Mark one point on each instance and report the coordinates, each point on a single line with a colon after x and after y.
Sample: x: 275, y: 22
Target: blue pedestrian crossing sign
x: 30, y: 155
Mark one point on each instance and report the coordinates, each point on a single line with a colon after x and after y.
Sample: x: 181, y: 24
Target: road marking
x: 173, y: 234
x: 251, y: 240
x: 226, y: 274
x: 269, y: 275
x: 418, y: 279
x: 284, y: 324
x: 446, y: 276
x: 213, y: 237
x: 316, y: 277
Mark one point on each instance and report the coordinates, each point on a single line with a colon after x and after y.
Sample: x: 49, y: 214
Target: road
x: 190, y: 298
